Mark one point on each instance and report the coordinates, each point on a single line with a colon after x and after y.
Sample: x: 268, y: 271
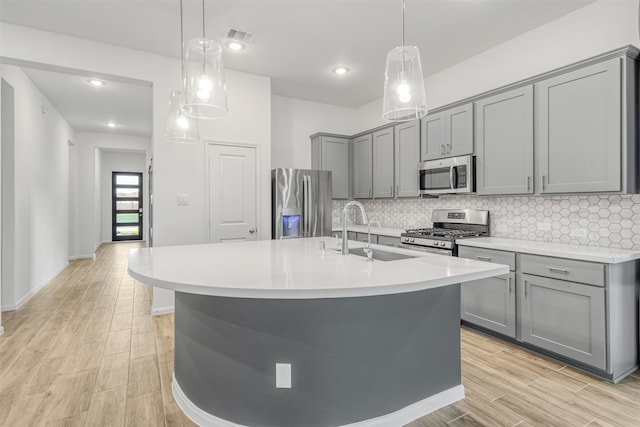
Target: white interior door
x: 232, y: 193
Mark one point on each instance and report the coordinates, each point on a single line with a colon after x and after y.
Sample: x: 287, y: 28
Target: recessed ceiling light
x: 341, y: 70
x: 235, y: 45
x: 111, y: 124
x: 96, y: 83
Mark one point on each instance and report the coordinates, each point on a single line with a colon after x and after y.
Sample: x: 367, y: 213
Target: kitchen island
x: 285, y: 333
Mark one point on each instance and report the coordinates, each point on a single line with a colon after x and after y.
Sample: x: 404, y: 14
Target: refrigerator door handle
x: 311, y: 206
x: 305, y: 206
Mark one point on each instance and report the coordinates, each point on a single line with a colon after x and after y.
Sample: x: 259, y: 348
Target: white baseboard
x: 22, y: 300
x: 400, y: 417
x: 162, y: 310
x: 88, y: 256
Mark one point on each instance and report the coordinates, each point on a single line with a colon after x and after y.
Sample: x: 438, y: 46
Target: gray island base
x: 363, y: 361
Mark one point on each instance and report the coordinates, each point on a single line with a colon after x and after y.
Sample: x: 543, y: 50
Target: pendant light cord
x: 402, y: 22
x: 203, y: 37
x: 182, y: 42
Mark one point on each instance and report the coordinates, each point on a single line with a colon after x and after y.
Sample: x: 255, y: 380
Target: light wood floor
x: 85, y: 351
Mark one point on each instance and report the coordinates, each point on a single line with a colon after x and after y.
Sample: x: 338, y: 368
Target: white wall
x: 90, y: 150
x: 41, y: 182
x: 589, y: 31
x: 177, y: 168
x: 119, y: 161
x: 294, y: 120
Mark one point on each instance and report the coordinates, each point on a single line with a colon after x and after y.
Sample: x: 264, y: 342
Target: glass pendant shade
x: 205, y: 88
x: 404, y: 96
x: 180, y: 127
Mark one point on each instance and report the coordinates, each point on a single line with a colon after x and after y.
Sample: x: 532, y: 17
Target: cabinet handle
x: 542, y: 181
x: 448, y: 148
x: 528, y: 183
x: 558, y: 270
x: 442, y: 150
x: 397, y: 190
x: 509, y: 283
x: 484, y: 258
x: 391, y: 191
x: 524, y: 285
x: 369, y: 191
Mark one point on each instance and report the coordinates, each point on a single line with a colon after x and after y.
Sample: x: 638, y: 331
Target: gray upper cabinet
x: 407, y: 157
x: 504, y: 143
x: 383, y: 164
x: 579, y: 130
x: 448, y: 133
x: 432, y: 143
x: 362, y: 162
x: 332, y: 153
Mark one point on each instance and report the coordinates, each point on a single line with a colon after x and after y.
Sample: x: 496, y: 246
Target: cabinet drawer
x: 488, y: 255
x: 388, y: 241
x: 564, y: 269
x: 363, y: 237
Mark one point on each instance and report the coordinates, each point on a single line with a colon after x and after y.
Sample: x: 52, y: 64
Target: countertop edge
x: 380, y: 231
x: 376, y: 290
x: 513, y: 245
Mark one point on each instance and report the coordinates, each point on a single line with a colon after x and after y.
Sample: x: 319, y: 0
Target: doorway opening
x: 126, y: 211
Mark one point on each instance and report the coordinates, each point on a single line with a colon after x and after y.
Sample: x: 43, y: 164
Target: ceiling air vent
x: 240, y: 35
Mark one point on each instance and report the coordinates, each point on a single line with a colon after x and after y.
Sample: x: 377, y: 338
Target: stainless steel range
x: 449, y: 225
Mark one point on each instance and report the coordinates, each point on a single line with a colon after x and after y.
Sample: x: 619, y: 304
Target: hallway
x: 85, y: 351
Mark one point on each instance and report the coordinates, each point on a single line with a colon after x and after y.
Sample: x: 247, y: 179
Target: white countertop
x: 559, y: 250
x: 383, y: 231
x: 297, y: 269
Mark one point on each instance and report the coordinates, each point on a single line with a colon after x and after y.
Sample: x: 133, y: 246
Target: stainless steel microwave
x: 448, y: 176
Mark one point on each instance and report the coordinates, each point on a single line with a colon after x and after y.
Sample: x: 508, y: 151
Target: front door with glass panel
x: 126, y: 205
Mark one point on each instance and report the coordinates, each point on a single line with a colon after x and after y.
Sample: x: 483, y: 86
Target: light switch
x: 183, y: 199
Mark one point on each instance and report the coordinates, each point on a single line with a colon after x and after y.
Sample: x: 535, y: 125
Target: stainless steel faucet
x: 345, y: 244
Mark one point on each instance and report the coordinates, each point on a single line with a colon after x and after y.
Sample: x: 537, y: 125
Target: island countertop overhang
x: 297, y: 269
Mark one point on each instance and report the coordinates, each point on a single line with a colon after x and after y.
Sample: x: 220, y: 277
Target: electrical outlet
x: 578, y: 232
x: 183, y: 199
x: 283, y: 375
x: 544, y: 226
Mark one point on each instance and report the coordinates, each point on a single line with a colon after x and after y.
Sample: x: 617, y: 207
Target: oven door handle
x: 426, y: 249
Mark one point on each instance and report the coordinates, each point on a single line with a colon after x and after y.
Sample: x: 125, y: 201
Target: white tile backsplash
x: 595, y: 220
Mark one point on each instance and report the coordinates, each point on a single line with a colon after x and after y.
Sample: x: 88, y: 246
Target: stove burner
x: 443, y: 232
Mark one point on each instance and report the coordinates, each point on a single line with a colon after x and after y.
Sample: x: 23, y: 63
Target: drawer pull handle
x: 558, y: 270
x: 484, y: 258
x: 509, y: 282
x: 524, y: 285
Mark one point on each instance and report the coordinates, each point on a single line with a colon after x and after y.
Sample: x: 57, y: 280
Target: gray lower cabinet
x: 490, y: 303
x: 504, y: 143
x: 383, y: 163
x: 332, y: 153
x: 447, y: 133
x: 407, y: 158
x: 364, y: 237
x: 579, y: 130
x: 362, y: 163
x: 564, y: 317
x: 388, y: 241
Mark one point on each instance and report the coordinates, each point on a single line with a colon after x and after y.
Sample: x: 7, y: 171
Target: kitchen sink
x: 379, y: 255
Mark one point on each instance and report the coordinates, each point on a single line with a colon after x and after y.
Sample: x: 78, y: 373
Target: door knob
x: 252, y: 230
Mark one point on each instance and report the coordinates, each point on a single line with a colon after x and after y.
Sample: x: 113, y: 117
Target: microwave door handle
x: 451, y: 179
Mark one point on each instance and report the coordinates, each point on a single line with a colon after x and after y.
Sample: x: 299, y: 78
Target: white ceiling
x: 88, y: 109
x: 297, y: 42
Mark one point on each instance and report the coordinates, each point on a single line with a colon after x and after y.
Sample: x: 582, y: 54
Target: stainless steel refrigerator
x: 301, y: 203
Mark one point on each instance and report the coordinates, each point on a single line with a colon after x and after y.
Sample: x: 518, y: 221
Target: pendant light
x: 404, y: 96
x: 180, y: 127
x: 205, y: 88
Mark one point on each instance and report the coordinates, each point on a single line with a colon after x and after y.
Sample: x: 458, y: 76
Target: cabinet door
x: 362, y: 162
x: 504, y: 143
x: 335, y: 158
x: 432, y: 143
x: 490, y: 303
x: 364, y: 237
x: 383, y: 163
x: 566, y: 318
x: 579, y: 130
x: 458, y: 131
x: 407, y: 158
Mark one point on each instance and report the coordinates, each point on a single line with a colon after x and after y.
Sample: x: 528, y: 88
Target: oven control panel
x: 421, y: 241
